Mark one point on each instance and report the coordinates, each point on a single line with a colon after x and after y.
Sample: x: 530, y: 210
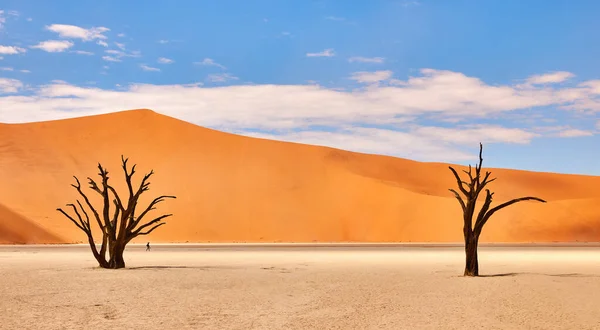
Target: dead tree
x: 119, y: 224
x: 470, y: 190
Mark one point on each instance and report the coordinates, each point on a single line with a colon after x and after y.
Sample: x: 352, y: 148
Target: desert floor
x: 300, y: 287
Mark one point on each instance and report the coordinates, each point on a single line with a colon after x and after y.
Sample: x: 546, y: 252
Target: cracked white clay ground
x: 342, y: 288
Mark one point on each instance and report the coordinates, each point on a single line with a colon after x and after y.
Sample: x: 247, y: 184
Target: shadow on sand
x: 178, y: 267
x: 553, y: 275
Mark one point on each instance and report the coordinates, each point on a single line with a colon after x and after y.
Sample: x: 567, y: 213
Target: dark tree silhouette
x: 120, y: 225
x: 471, y: 190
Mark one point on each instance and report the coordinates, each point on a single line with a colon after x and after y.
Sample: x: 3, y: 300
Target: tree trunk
x: 99, y: 257
x: 116, y: 257
x: 472, y: 262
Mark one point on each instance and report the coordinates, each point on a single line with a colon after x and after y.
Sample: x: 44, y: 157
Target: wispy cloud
x: 220, y: 77
x: 54, y: 46
x: 76, y: 32
x: 120, y: 45
x: 164, y: 60
x: 326, y: 53
x: 550, y: 78
x: 121, y: 35
x: 360, y: 59
x: 148, y: 68
x: 335, y: 18
x: 10, y: 85
x: 163, y: 41
x: 102, y: 43
x: 11, y: 50
x: 210, y: 62
x: 82, y: 52
x: 6, y: 68
x: 25, y: 71
x: 111, y: 59
x: 119, y: 54
x: 371, y: 77
x: 574, y: 133
x: 409, y: 3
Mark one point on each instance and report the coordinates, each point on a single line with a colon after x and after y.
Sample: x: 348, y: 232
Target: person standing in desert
x: 148, y: 246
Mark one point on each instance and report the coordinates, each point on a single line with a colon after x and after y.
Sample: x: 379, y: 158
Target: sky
x: 420, y: 79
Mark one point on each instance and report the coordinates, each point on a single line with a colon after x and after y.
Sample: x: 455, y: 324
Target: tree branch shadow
x: 541, y: 274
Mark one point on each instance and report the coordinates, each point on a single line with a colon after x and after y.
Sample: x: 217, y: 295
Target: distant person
x: 148, y: 246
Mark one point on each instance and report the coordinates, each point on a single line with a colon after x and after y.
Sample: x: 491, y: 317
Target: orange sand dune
x: 240, y: 189
x: 14, y: 228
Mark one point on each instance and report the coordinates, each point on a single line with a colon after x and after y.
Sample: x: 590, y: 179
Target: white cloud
x: 82, y: 52
x: 120, y: 45
x: 148, y: 68
x: 592, y: 85
x: 210, y: 62
x: 29, y: 19
x: 11, y: 50
x: 408, y: 3
x: 54, y: 46
x: 550, y: 78
x: 220, y: 77
x: 76, y: 32
x: 102, y: 43
x: 1, y: 58
x: 326, y: 53
x: 121, y: 35
x: 13, y: 13
x: 164, y: 60
x: 120, y: 54
x: 371, y: 77
x: 25, y: 71
x: 10, y: 85
x: 574, y: 133
x: 481, y: 133
x: 355, y: 118
x: 598, y: 125
x: 6, y: 68
x: 361, y: 59
x: 110, y: 59
x: 163, y: 41
x: 335, y: 18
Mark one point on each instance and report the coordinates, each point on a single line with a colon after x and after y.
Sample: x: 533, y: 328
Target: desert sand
x: 233, y: 188
x: 249, y: 287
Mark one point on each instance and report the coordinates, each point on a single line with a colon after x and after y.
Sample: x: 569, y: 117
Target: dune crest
x: 233, y: 188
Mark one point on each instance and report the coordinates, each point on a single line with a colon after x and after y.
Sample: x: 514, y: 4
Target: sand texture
x: 239, y: 189
x: 287, y: 288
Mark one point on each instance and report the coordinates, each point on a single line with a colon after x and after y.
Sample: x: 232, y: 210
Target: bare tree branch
x: 151, y: 229
x: 154, y: 221
x: 460, y: 200
x: 460, y: 182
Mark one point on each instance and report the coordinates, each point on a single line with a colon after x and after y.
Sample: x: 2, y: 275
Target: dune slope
x: 16, y: 229
x: 232, y: 188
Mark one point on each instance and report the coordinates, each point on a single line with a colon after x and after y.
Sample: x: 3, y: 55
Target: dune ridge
x: 232, y: 188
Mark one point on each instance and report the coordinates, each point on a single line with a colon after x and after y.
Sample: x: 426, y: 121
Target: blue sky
x: 425, y: 80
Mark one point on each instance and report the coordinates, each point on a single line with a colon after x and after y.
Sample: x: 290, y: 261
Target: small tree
x: 471, y: 190
x: 120, y: 225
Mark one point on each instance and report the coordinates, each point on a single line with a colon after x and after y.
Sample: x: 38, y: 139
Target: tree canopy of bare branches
x: 120, y: 223
x: 471, y: 189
